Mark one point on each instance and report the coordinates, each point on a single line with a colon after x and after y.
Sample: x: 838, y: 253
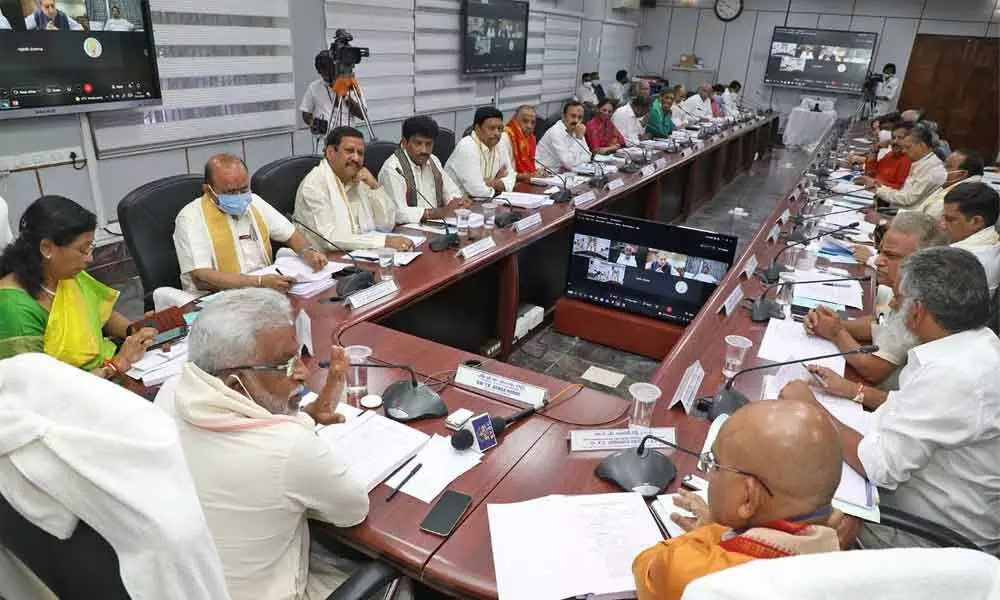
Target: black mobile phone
x: 445, y: 513
x: 168, y: 336
x: 799, y: 311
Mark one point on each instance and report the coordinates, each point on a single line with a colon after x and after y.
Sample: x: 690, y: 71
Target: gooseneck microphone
x: 729, y: 400
x: 771, y: 273
x: 764, y: 309
x: 348, y: 284
x: 563, y: 195
x: 637, y: 470
x: 449, y: 240
x: 799, y: 219
x: 405, y: 400
x: 463, y: 438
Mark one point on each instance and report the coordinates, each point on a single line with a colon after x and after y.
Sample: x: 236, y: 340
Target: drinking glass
x: 386, y: 258
x: 644, y: 397
x: 462, y: 221
x: 736, y: 352
x: 357, y: 376
x: 489, y: 215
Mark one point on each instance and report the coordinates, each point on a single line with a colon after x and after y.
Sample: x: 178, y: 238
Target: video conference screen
x: 820, y: 59
x: 653, y: 269
x: 63, y: 57
x: 494, y: 37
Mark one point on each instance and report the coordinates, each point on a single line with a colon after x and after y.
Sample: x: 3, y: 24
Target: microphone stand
x: 449, y: 240
x: 729, y: 400
x: 764, y: 309
x: 770, y: 274
x: 405, y: 400
x: 563, y: 195
x: 352, y: 282
x: 648, y: 473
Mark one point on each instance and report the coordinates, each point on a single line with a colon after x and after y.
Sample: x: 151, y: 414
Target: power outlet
x: 43, y: 158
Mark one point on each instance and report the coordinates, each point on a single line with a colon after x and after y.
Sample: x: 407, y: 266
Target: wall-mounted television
x: 494, y: 37
x: 662, y: 271
x: 820, y: 59
x: 59, y: 62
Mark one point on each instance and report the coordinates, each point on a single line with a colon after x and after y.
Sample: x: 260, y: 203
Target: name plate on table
x: 733, y: 301
x: 499, y: 385
x: 775, y: 233
x: 614, y: 184
x: 590, y: 440
x: 528, y: 222
x: 688, y: 389
x: 584, y: 198
x: 661, y: 163
x: 477, y: 248
x: 375, y: 292
x: 784, y: 216
x: 648, y: 170
x: 750, y: 266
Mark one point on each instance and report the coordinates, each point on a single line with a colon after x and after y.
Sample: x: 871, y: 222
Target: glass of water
x: 736, y: 352
x: 489, y: 215
x: 644, y: 397
x: 357, y: 375
x: 386, y: 258
x: 462, y: 221
x: 786, y: 293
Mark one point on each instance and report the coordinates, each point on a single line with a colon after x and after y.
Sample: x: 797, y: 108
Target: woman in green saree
x: 50, y: 304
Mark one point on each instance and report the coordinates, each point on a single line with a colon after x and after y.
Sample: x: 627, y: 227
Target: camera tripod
x: 347, y: 91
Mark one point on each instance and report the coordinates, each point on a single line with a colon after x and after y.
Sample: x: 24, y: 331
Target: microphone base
x: 506, y: 220
x: 726, y: 402
x: 349, y: 284
x: 403, y: 402
x: 771, y: 274
x: 765, y: 309
x: 561, y: 196
x: 648, y: 473
x: 598, y: 182
x: 448, y: 240
x: 795, y: 237
x: 633, y: 168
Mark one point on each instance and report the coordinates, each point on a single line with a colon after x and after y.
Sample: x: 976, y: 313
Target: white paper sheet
x: 848, y: 293
x: 664, y: 506
x: 603, y: 376
x: 787, y: 340
x: 846, y: 411
x: 524, y: 200
x: 418, y: 240
x: 840, y: 173
x: 440, y: 465
x: 400, y: 259
x: 373, y: 446
x: 847, y: 188
x: 307, y: 282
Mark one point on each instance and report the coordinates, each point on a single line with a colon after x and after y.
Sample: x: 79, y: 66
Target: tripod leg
x: 359, y: 97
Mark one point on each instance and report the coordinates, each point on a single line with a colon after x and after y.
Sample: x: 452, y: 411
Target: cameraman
x: 317, y: 104
x: 887, y: 89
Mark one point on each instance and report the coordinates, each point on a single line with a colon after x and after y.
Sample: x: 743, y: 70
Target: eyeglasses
x: 708, y: 463
x: 287, y: 366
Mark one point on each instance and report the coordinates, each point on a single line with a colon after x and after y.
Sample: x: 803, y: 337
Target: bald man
x: 698, y: 106
x: 772, y: 473
x: 228, y: 231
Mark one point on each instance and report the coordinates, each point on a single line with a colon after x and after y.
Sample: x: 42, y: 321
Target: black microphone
x: 359, y: 279
x: 799, y: 219
x: 764, y: 309
x: 771, y: 273
x: 450, y: 240
x: 563, y: 195
x: 463, y: 438
x: 728, y: 400
x: 405, y: 400
x: 513, y: 215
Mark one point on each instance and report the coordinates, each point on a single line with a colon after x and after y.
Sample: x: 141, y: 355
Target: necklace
x: 48, y: 291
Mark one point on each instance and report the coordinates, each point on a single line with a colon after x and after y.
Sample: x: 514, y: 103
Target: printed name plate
x: 589, y: 440
x: 661, y: 163
x: 614, y: 184
x: 688, y: 388
x: 375, y: 292
x: 733, y: 300
x: 501, y: 386
x: 750, y: 266
x: 648, y: 170
x: 477, y: 248
x: 584, y: 198
x: 528, y: 222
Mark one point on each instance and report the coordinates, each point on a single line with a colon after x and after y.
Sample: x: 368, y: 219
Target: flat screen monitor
x: 494, y: 37
x: 653, y: 269
x: 54, y: 61
x: 820, y: 59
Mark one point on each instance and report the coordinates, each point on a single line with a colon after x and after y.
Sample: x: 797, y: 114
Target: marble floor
x: 755, y: 191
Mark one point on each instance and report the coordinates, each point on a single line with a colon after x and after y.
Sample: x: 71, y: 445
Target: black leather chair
x: 468, y: 131
x: 278, y: 181
x: 995, y: 313
x: 444, y: 144
x: 146, y: 216
x: 542, y: 125
x: 938, y: 535
x: 376, y: 153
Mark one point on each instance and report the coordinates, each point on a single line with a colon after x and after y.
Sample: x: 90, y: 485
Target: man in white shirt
x: 961, y: 166
x: 630, y: 120
x: 887, y: 89
x: 933, y: 445
x: 564, y: 147
x: 117, y: 23
x: 927, y: 172
x: 259, y: 469
x: 5, y: 234
x: 343, y: 202
x: 731, y: 98
x: 479, y: 166
x: 49, y: 18
x: 618, y: 90
x: 706, y: 276
x: 970, y: 216
x: 699, y: 106
x: 585, y: 91
x: 228, y: 231
x: 414, y: 178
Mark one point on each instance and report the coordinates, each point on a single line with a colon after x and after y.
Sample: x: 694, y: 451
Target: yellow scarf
x: 80, y: 309
x: 222, y: 234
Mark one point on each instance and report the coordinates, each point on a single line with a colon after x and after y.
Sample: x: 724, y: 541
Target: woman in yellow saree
x: 50, y: 304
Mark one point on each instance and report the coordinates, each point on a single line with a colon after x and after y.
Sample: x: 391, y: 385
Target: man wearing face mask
x: 933, y: 445
x: 595, y: 79
x: 228, y: 232
x: 961, y: 166
x: 585, y: 91
x: 563, y: 146
x: 342, y: 201
x: 717, y: 91
x: 259, y: 469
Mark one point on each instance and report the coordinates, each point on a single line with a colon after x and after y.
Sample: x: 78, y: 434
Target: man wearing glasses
x: 772, y: 474
x: 257, y: 464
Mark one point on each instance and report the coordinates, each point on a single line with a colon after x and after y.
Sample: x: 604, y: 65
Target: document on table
x: 847, y: 188
x: 307, y: 282
x: 842, y: 219
x: 579, y: 545
x: 664, y: 506
x: 400, y: 259
x: 848, y: 293
x: 785, y: 339
x: 840, y: 173
x: 524, y: 200
x: 441, y: 464
x: 157, y: 366
x: 373, y: 446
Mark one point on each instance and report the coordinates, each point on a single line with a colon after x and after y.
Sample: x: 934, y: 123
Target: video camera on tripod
x: 343, y: 56
x: 336, y: 65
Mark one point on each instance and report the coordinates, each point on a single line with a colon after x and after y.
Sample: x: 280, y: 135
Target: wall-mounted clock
x: 728, y: 10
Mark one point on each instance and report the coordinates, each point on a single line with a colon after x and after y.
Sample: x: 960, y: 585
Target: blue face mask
x: 234, y: 204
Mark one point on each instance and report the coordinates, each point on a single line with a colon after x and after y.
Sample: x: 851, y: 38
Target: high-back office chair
x: 278, y: 181
x: 146, y: 215
x: 444, y: 144
x: 376, y: 153
x: 468, y: 131
x: 542, y: 125
x: 995, y: 312
x: 938, y: 535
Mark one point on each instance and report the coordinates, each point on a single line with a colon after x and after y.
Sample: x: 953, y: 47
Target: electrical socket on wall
x: 43, y: 158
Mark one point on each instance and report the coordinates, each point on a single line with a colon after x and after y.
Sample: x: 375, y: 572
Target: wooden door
x: 955, y: 80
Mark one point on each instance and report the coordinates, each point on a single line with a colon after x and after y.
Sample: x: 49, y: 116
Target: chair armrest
x: 365, y: 581
x: 928, y: 530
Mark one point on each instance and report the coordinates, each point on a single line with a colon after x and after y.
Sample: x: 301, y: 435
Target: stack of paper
x: 560, y: 547
x: 373, y: 446
x: 552, y: 180
x: 847, y: 188
x: 848, y: 293
x: 664, y: 506
x: 840, y: 173
x: 307, y: 282
x: 785, y: 339
x: 157, y: 366
x: 525, y: 200
x: 656, y: 144
x: 591, y: 169
x: 440, y: 464
x: 400, y: 259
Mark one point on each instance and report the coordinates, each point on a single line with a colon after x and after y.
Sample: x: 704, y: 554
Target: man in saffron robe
x: 772, y: 473
x: 519, y: 141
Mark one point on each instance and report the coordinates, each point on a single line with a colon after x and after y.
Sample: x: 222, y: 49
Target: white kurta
x: 697, y: 107
x: 472, y: 163
x: 118, y: 25
x: 350, y: 216
x: 587, y: 95
x: 731, y: 103
x: 617, y: 92
x: 6, y: 236
x: 933, y: 204
x: 934, y: 443
x: 558, y: 149
x: 395, y: 186
x: 30, y: 23
x: 628, y: 124
x: 678, y: 116
x: 194, y: 244
x: 985, y: 244
x: 926, y: 175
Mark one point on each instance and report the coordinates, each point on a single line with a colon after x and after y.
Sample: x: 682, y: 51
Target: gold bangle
x: 260, y: 281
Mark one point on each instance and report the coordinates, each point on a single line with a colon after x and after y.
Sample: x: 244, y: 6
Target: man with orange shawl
x: 519, y: 140
x: 772, y: 474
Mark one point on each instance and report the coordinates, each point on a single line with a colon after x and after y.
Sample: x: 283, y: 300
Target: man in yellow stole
x: 228, y: 232
x: 772, y: 474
